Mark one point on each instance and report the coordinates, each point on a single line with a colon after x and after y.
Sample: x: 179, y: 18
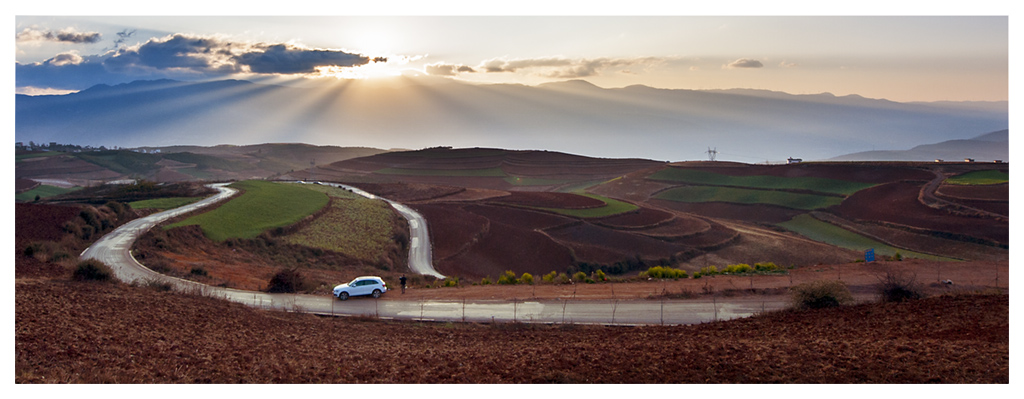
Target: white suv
x: 365, y: 285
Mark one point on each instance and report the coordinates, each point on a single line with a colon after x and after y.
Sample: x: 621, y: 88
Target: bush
x: 286, y: 281
x: 897, y: 287
x: 451, y: 281
x: 664, y: 272
x: 766, y: 267
x: 563, y: 279
x: 527, y: 278
x: 507, y: 278
x: 92, y: 270
x: 738, y: 269
x: 821, y: 294
x: 600, y: 276
x: 579, y: 276
x: 485, y: 281
x: 550, y: 277
x: 706, y: 271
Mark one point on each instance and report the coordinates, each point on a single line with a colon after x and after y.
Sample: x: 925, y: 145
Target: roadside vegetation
x: 980, y: 177
x: 162, y: 204
x: 262, y: 206
x: 748, y: 196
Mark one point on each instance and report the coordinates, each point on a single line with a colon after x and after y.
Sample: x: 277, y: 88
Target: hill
x: 573, y: 117
x: 986, y: 148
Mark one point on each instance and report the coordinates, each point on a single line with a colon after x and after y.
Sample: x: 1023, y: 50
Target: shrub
x: 766, y: 267
x: 664, y: 272
x: 198, y: 271
x: 527, y: 278
x: 738, y: 269
x: 600, y: 276
x: 485, y: 281
x: 821, y: 294
x: 563, y: 279
x: 706, y: 271
x: 507, y: 278
x: 451, y: 281
x: 92, y: 270
x: 579, y: 276
x: 898, y: 287
x: 286, y: 281
x: 550, y: 277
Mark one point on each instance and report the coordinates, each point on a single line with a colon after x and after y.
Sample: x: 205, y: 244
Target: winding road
x: 114, y: 250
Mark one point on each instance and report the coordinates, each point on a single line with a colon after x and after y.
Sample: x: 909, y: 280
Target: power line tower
x: 712, y: 154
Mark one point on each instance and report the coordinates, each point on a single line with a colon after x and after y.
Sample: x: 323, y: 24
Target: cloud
x: 785, y: 64
x: 181, y: 56
x: 442, y: 69
x: 559, y: 67
x: 68, y: 35
x: 745, y: 63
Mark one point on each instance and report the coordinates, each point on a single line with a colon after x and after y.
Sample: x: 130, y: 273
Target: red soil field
x: 722, y: 210
x: 866, y: 172
x: 40, y: 222
x: 550, y: 200
x: 507, y: 247
x: 643, y: 217
x: 992, y: 198
x: 409, y: 192
x: 524, y: 218
x: 625, y: 245
x: 22, y: 185
x: 676, y: 229
x: 897, y: 203
x: 63, y: 167
x: 451, y: 228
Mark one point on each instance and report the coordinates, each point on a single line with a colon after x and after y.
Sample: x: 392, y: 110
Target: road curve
x: 114, y: 250
x: 420, y: 257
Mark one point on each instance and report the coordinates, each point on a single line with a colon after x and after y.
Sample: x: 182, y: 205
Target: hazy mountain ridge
x: 572, y: 116
x: 987, y: 147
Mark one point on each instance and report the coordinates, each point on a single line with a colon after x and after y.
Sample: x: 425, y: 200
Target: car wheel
x: 376, y: 293
x: 343, y: 296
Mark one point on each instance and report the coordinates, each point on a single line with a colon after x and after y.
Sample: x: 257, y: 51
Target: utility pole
x: 312, y: 169
x: 712, y: 154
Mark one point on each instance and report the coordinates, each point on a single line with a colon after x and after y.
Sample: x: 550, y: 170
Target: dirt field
x: 69, y: 332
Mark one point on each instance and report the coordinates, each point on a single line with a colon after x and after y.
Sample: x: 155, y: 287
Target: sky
x: 956, y: 57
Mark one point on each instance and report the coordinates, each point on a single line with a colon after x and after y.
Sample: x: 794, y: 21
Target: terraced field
x: 163, y: 203
x: 488, y: 172
x: 43, y: 191
x: 698, y: 194
x: 807, y: 226
x: 262, y: 207
x: 815, y: 184
x: 980, y: 177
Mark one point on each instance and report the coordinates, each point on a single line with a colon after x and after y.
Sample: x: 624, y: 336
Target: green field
x: 821, y: 185
x: 263, y: 206
x: 355, y: 226
x: 533, y: 181
x: 122, y: 161
x: 163, y: 203
x: 38, y: 155
x: 611, y: 207
x: 807, y: 226
x: 489, y: 172
x: 43, y: 191
x: 748, y: 196
x: 980, y: 177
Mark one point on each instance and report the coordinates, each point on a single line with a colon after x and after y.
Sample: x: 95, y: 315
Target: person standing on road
x: 401, y: 280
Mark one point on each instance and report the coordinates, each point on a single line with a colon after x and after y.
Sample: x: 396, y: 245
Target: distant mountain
x: 987, y: 147
x: 574, y: 117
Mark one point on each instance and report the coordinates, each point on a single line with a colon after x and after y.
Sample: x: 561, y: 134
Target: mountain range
x: 987, y: 147
x: 571, y: 116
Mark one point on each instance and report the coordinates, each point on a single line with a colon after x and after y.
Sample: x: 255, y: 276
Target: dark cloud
x: 282, y: 59
x: 441, y: 69
x: 180, y: 57
x: 745, y: 63
x: 123, y: 36
x: 68, y: 35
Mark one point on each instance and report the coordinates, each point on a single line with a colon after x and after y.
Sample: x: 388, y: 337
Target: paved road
x: 113, y: 249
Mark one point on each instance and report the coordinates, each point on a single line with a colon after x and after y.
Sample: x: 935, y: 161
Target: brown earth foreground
x: 82, y: 332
